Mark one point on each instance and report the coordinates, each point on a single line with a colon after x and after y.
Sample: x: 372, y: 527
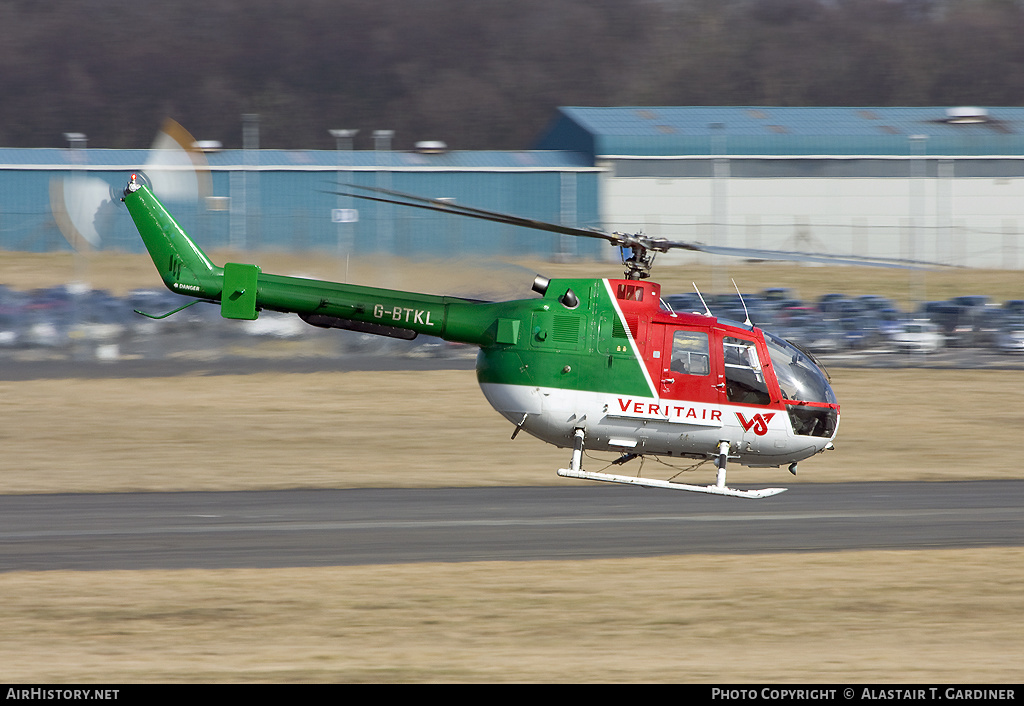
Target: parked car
x: 921, y: 336
x: 684, y: 303
x: 1014, y: 307
x: 1011, y: 341
x: 1010, y: 337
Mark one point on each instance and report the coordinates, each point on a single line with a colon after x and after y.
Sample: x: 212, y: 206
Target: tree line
x: 477, y: 74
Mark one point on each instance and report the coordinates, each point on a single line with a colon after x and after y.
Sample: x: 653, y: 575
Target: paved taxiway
x: 380, y: 526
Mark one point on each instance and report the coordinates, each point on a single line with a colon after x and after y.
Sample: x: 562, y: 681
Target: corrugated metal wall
x: 284, y: 201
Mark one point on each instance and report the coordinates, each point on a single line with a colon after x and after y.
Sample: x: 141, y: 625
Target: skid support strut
x: 575, y: 470
x: 721, y: 462
x: 577, y: 450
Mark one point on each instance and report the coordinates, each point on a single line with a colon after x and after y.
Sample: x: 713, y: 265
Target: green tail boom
x: 242, y: 290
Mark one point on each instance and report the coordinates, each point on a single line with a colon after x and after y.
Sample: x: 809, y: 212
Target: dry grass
x: 940, y: 616
x: 858, y: 617
x: 260, y: 431
x: 851, y: 617
x: 416, y: 429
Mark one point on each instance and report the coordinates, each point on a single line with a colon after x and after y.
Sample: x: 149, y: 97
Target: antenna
x: 707, y: 311
x: 745, y: 312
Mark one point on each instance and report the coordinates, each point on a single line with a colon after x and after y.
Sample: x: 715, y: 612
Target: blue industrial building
x: 56, y: 199
x: 944, y: 184
x: 709, y: 131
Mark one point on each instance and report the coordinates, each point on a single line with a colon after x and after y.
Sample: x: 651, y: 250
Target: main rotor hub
x: 639, y: 263
x: 643, y: 250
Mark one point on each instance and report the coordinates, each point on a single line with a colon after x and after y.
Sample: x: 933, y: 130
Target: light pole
x: 719, y: 208
x: 385, y: 226
x: 918, y: 173
x: 344, y: 215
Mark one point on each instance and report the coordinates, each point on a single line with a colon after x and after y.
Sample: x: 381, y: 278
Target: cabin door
x: 688, y: 369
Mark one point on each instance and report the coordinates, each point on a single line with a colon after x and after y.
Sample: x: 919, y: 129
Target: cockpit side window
x: 690, y: 353
x: 799, y: 375
x: 744, y: 377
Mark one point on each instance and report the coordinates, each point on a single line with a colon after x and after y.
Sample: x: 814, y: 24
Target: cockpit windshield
x: 799, y: 375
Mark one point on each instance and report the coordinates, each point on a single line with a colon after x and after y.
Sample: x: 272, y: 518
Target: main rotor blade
x: 792, y: 256
x: 402, y: 199
x: 636, y: 241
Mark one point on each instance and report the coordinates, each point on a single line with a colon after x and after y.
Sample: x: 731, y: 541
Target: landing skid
x: 655, y: 483
x: 719, y: 488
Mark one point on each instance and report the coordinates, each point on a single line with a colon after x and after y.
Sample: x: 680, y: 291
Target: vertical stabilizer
x: 182, y: 265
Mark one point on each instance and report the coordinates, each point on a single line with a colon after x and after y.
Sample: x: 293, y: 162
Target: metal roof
x: 760, y: 130
x: 302, y: 160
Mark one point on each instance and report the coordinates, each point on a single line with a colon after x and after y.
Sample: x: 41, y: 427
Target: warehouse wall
x: 968, y: 212
x: 291, y: 208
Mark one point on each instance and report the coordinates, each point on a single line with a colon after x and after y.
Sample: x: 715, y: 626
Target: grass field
x: 418, y: 429
x: 858, y: 617
x: 852, y: 617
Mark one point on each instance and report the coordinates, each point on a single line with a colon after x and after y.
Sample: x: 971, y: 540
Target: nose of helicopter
x: 810, y: 399
x: 832, y: 414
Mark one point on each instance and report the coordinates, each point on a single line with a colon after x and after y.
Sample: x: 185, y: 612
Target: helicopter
x: 598, y: 364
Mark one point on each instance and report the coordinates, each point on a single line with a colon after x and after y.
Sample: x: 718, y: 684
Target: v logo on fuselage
x: 759, y: 422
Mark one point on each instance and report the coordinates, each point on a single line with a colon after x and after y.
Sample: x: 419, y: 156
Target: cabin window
x: 799, y: 374
x: 744, y: 378
x: 690, y: 353
x: 630, y: 292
